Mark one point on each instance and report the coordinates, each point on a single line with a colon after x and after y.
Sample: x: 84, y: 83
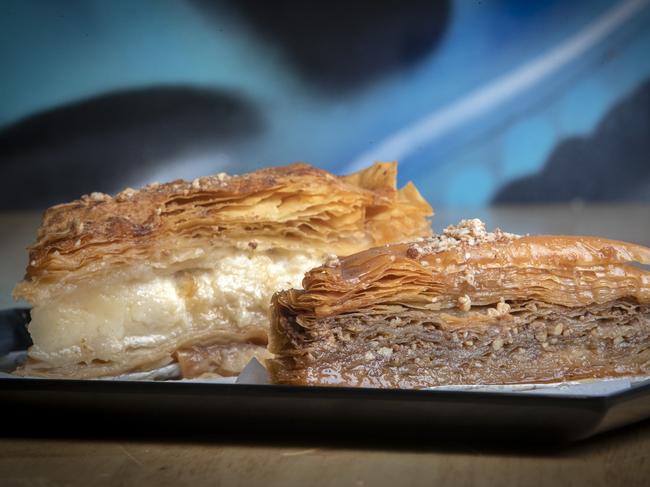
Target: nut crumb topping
x: 207, y: 182
x: 464, y: 303
x: 412, y: 252
x: 331, y: 260
x: 126, y: 194
x: 501, y: 310
x: 468, y: 276
x: 96, y: 196
x: 466, y: 232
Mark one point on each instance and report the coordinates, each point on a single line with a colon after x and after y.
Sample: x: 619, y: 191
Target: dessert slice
x: 467, y: 307
x: 184, y: 272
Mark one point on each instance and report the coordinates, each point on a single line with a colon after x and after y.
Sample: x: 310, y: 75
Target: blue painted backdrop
x: 507, y: 83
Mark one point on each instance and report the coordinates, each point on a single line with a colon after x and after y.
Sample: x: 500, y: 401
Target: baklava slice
x: 468, y: 307
x: 183, y: 273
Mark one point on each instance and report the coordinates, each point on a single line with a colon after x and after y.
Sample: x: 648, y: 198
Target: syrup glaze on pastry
x: 467, y: 307
x: 184, y: 271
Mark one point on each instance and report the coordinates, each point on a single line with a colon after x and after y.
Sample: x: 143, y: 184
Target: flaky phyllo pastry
x: 468, y: 307
x: 184, y: 272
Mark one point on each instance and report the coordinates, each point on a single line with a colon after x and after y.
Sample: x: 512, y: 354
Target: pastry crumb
x: 96, y: 196
x: 464, y: 303
x: 331, y: 260
x: 126, y: 194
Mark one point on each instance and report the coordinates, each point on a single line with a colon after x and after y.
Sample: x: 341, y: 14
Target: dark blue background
x: 481, y: 101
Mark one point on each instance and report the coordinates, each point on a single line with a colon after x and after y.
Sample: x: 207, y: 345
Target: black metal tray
x: 91, y: 406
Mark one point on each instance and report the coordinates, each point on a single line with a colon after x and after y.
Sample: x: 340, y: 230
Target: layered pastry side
x: 467, y: 307
x: 183, y: 273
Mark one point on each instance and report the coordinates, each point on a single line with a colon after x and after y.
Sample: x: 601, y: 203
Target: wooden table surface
x: 617, y: 458
x: 620, y: 458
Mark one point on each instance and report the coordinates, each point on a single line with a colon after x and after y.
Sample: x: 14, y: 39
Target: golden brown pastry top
x: 468, y: 266
x: 292, y: 207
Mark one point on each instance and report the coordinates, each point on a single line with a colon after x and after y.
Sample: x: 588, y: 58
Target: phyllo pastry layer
x: 183, y: 272
x: 467, y: 307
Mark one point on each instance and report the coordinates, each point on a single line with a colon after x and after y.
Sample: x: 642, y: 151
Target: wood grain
x: 620, y: 458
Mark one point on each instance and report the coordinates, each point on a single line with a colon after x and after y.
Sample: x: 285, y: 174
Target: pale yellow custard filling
x: 226, y: 298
